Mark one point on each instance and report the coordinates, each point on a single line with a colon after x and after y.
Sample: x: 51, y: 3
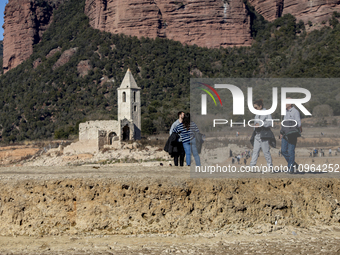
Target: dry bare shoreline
x: 321, y: 241
x: 170, y: 212
x: 53, y: 203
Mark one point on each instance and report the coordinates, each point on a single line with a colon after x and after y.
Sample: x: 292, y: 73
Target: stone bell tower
x: 129, y: 109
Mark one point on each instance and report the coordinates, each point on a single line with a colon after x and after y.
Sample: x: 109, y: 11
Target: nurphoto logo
x: 238, y: 99
x: 288, y: 121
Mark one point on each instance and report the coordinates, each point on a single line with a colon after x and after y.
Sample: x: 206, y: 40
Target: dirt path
x: 284, y: 242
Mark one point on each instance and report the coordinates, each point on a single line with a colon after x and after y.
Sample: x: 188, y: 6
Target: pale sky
x: 2, y: 9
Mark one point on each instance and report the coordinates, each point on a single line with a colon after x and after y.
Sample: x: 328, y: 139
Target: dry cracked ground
x: 131, y: 209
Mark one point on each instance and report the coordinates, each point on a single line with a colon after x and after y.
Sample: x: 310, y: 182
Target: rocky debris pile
x: 84, y: 67
x: 126, y: 153
x: 64, y: 58
x: 52, y: 52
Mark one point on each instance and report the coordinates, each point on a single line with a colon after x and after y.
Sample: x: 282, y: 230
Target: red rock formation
x: 36, y: 63
x: 210, y: 23
x: 52, y: 52
x: 25, y: 21
x: 315, y: 11
x: 83, y: 67
x: 64, y: 58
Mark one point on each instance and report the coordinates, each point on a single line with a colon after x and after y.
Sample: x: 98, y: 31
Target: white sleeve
x: 267, y: 121
x: 172, y: 127
x: 297, y: 118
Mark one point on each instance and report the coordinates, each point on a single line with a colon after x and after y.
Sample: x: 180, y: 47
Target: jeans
x: 288, y: 151
x: 188, y: 147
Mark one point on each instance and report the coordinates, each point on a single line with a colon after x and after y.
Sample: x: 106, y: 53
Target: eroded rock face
x: 52, y: 52
x: 64, y: 58
x: 202, y: 22
x: 84, y: 67
x: 209, y: 23
x: 163, y: 205
x: 36, y: 63
x: 25, y: 22
x: 305, y: 10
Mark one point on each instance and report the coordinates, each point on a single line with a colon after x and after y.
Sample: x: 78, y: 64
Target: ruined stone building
x: 94, y: 135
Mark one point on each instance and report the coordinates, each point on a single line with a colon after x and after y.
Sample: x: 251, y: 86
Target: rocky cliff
x: 316, y: 11
x: 210, y: 23
x: 25, y: 22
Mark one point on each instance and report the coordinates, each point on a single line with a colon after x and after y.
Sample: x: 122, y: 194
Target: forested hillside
x: 49, y: 101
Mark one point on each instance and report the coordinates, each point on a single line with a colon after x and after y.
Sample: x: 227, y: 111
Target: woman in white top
x: 262, y: 123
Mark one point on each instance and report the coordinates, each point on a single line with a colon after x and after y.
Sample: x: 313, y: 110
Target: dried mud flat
x: 131, y: 209
x: 321, y: 242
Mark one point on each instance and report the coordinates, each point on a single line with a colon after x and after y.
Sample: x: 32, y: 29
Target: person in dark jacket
x: 180, y: 154
x: 175, y: 149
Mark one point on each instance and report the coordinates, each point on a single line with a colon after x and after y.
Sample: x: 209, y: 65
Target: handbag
x: 293, y: 133
x: 266, y: 133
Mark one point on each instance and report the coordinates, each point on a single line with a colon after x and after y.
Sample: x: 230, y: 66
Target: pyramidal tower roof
x: 129, y: 81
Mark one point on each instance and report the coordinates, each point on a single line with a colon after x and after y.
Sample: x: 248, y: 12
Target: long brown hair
x: 186, y: 121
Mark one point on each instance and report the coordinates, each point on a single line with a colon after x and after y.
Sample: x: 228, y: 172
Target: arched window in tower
x: 135, y: 108
x: 134, y: 96
x: 124, y: 97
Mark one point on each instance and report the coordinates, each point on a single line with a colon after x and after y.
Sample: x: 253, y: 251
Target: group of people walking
x: 315, y: 153
x: 263, y: 137
x: 183, y: 140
